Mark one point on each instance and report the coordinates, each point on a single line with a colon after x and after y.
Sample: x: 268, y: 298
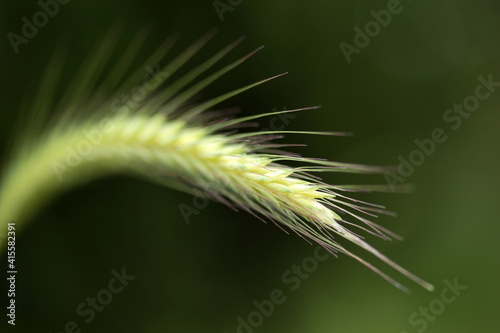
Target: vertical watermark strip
x: 11, y: 272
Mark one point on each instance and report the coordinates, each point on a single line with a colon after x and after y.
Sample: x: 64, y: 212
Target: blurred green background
x: 202, y: 276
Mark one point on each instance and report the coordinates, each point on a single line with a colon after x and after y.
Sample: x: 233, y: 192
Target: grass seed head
x: 162, y: 138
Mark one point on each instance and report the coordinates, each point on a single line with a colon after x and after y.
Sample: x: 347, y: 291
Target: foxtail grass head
x: 158, y: 133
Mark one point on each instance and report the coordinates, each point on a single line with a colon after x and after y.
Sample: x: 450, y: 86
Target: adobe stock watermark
x: 292, y: 279
x: 88, y: 309
x: 422, y: 318
x: 362, y: 38
x: 200, y: 202
x: 30, y: 26
x: 125, y: 102
x: 94, y: 136
x: 11, y: 272
x: 222, y: 6
x: 453, y: 118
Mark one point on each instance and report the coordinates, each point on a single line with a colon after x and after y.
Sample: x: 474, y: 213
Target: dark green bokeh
x: 201, y: 277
